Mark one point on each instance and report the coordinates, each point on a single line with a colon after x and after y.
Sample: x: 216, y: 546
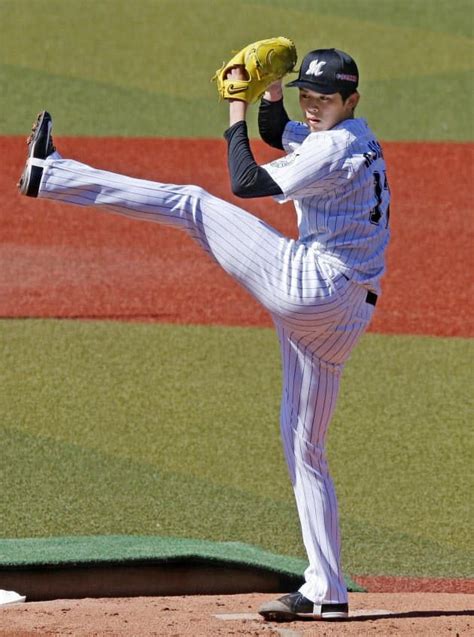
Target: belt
x: 371, y: 298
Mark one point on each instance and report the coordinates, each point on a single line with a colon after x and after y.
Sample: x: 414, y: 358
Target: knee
x: 195, y: 192
x: 196, y: 201
x: 311, y: 457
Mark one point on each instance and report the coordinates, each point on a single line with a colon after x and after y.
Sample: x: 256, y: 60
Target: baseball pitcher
x: 320, y: 289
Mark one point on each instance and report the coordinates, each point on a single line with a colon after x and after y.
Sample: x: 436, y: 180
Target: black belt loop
x: 371, y: 298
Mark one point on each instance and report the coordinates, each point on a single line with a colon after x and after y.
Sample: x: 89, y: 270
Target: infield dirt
x: 416, y: 614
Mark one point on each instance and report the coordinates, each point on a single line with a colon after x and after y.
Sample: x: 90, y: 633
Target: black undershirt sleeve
x: 247, y: 178
x: 272, y: 119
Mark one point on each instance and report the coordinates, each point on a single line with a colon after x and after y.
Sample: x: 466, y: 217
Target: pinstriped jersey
x: 338, y: 183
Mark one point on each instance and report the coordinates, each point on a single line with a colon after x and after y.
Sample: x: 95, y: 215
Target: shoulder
x: 354, y: 135
x: 331, y: 143
x: 350, y: 130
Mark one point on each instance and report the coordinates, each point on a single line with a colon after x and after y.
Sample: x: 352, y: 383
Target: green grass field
x: 112, y: 428
x: 120, y: 68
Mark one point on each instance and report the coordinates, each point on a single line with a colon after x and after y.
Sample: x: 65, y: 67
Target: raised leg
x: 247, y: 248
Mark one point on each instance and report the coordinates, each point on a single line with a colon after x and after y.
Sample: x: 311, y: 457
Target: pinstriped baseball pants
x: 319, y: 316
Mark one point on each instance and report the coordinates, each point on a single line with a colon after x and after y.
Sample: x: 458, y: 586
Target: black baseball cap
x: 328, y: 71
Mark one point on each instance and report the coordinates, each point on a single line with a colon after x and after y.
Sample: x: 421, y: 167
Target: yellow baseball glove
x: 265, y: 62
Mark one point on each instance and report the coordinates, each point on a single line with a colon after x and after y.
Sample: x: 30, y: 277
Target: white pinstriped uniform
x: 315, y: 287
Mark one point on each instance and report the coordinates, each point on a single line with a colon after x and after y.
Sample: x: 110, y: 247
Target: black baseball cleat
x: 40, y: 146
x: 296, y: 606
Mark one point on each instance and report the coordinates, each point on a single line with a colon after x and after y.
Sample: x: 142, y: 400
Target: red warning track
x: 63, y: 261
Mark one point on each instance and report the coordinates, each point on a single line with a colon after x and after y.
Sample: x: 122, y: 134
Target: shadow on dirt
x: 413, y: 614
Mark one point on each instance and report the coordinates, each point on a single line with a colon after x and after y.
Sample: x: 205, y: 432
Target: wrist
x: 237, y: 111
x: 274, y: 92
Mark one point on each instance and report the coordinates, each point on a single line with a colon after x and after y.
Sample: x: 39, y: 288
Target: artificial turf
x: 111, y: 428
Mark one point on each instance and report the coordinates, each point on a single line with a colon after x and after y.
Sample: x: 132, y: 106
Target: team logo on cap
x: 315, y: 68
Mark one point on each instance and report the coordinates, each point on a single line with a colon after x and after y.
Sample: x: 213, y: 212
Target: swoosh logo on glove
x: 232, y: 90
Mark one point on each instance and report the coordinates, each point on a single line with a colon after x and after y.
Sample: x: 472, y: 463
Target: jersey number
x: 376, y: 213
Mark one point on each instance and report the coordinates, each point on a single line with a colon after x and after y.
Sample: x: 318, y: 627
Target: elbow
x: 272, y: 140
x: 240, y: 190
